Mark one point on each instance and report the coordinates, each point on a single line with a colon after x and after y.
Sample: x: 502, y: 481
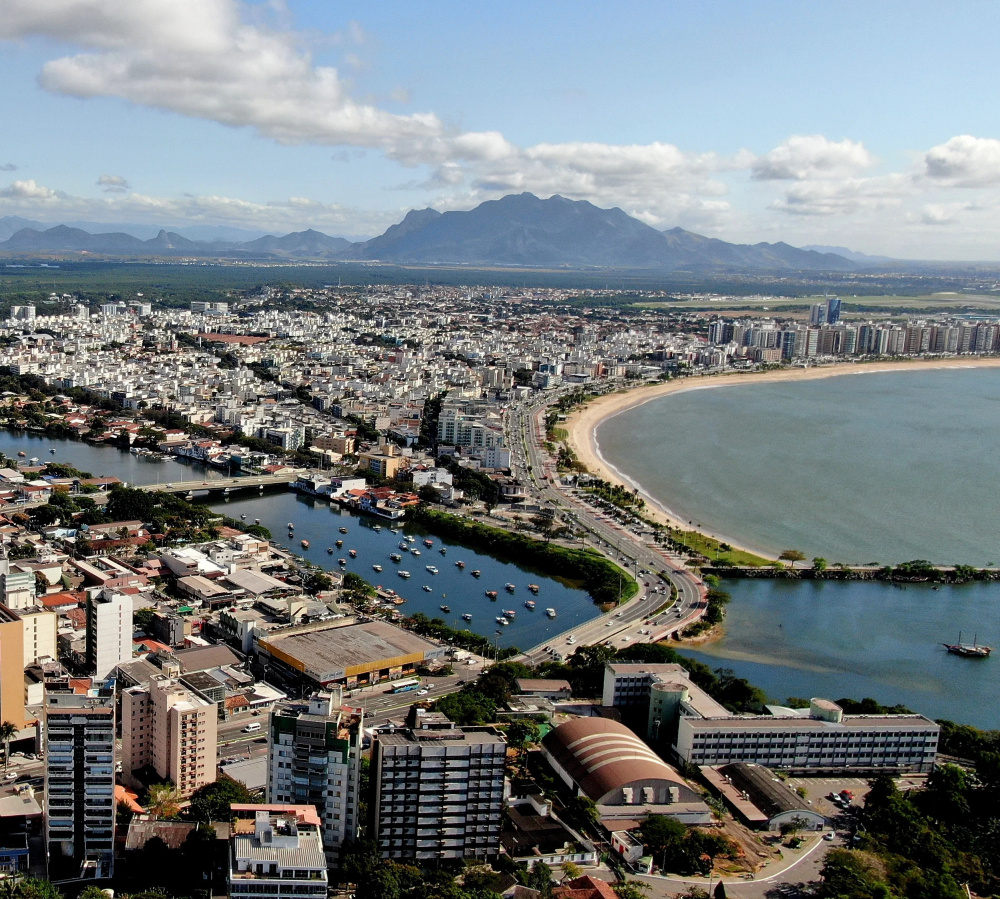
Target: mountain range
x: 517, y: 230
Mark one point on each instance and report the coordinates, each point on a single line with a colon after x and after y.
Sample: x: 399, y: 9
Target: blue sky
x: 869, y: 125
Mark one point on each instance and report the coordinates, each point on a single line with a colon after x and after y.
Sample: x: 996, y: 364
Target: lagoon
x: 854, y: 639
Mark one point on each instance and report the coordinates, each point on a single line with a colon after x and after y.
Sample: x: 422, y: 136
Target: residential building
x: 314, y: 758
x: 279, y: 858
x: 109, y: 631
x: 79, y: 783
x: 40, y: 634
x: 172, y: 730
x: 438, y: 792
x: 11, y: 667
x: 17, y: 587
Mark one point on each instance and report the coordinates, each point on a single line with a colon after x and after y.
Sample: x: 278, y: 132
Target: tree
x: 35, y: 888
x: 820, y: 564
x: 164, y: 801
x: 7, y: 733
x: 143, y: 619
x: 316, y: 581
x: 92, y: 892
x: 793, y: 556
x: 571, y: 871
x: 581, y: 812
x: 720, y: 891
x: 212, y: 802
x: 630, y: 889
x: 521, y: 733
x: 540, y: 878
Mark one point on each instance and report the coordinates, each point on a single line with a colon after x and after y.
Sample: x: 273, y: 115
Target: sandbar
x: 582, y: 424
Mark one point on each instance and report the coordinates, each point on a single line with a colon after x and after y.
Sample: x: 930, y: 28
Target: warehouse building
x: 317, y: 655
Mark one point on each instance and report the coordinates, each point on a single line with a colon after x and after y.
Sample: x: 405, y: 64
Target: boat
x: 353, y: 553
x: 341, y: 562
x: 533, y: 588
x: 376, y: 567
x: 509, y: 588
x: 404, y: 545
x: 329, y: 550
x: 243, y: 517
x: 393, y: 530
x: 443, y: 550
x: 415, y: 552
x: 460, y: 564
x: 431, y: 569
x: 52, y: 450
x: 445, y: 608
x: 510, y: 613
x: 22, y: 453
x: 551, y: 613
x: 427, y: 589
x: 428, y: 543
x: 256, y: 521
x: 340, y: 543
x: 343, y: 530
x: 503, y: 621
x: 467, y: 617
x: 377, y: 528
x: 396, y: 557
x: 403, y: 574
x: 492, y: 594
x: 291, y: 526
x: 304, y: 544
x: 33, y: 460
x: 970, y: 650
x: 476, y: 572
x: 529, y: 604
x: 410, y: 538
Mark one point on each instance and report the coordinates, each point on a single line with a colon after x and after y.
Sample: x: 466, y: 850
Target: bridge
x: 224, y: 486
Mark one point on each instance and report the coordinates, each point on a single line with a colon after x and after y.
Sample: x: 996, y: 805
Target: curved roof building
x: 605, y: 761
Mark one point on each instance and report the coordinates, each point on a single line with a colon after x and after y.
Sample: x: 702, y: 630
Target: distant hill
x: 853, y: 255
x: 516, y: 230
x: 523, y: 230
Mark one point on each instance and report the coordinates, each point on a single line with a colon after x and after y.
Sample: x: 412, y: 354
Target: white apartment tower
x: 79, y: 783
x: 314, y: 758
x: 109, y: 632
x: 171, y: 729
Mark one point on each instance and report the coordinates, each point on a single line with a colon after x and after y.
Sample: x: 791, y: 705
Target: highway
x: 636, y: 620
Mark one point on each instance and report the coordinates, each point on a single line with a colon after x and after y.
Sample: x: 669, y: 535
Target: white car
x: 423, y: 692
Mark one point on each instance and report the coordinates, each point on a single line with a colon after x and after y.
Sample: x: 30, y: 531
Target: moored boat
x: 460, y: 564
x: 467, y: 617
x: 445, y: 608
x: 509, y: 588
x: 551, y: 613
x: 396, y: 557
x: 492, y: 594
x: 403, y: 574
x: 533, y: 588
x: 353, y: 553
x: 376, y: 567
x: 529, y: 604
x: 340, y: 543
x: 476, y: 572
x: 341, y: 562
x: 510, y: 613
x: 969, y: 650
x: 304, y: 544
x: 343, y: 530
x: 428, y: 543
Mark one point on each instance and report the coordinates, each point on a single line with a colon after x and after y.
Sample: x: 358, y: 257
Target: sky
x: 867, y: 125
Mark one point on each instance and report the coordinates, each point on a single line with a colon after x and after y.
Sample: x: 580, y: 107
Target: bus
x: 404, y: 686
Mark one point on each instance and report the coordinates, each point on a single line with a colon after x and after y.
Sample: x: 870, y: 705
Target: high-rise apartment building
x: 11, y: 668
x: 279, y: 858
x: 438, y: 791
x: 79, y: 783
x: 109, y: 632
x: 314, y: 758
x: 169, y: 728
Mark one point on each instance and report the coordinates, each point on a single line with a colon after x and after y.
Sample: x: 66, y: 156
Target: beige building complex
x: 172, y: 730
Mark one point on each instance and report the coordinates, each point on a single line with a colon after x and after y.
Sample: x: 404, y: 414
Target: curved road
x: 635, y: 620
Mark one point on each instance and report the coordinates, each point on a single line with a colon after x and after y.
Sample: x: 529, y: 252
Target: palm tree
x: 163, y: 801
x: 7, y: 733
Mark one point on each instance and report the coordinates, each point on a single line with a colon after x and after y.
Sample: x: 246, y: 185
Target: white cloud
x: 964, y: 161
x: 8, y: 167
x: 844, y: 196
x: 113, y: 184
x: 27, y: 190
x: 804, y: 157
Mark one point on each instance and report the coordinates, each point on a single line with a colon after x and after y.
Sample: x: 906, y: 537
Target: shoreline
x: 582, y: 424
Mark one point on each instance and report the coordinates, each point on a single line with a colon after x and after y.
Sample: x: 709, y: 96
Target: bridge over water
x: 222, y: 485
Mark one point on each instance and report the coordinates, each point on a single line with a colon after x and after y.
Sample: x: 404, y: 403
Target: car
x: 608, y: 623
x: 10, y: 775
x: 204, y: 483
x: 828, y: 837
x: 423, y: 692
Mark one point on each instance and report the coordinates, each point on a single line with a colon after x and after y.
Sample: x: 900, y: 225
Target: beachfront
x: 581, y: 425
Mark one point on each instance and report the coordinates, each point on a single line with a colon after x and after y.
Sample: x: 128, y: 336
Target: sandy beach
x: 583, y: 423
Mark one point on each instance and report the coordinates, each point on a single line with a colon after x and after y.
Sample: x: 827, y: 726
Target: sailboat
x: 970, y: 650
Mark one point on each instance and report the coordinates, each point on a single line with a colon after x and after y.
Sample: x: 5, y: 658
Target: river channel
x: 319, y: 522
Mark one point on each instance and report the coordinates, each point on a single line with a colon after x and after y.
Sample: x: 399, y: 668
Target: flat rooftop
x: 479, y: 736
x: 850, y: 722
x: 336, y: 649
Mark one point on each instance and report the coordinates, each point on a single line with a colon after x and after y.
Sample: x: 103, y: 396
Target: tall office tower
x: 833, y: 310
x: 314, y: 758
x: 79, y: 784
x: 109, y: 632
x: 11, y: 668
x: 438, y: 790
x: 817, y: 314
x: 172, y: 730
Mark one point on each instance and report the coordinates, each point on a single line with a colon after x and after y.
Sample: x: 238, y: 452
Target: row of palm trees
x: 7, y: 733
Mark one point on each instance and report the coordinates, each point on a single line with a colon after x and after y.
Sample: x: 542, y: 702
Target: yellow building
x: 11, y: 668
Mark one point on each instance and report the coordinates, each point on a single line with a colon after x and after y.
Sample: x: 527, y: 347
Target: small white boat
x: 376, y: 567
x: 529, y: 604
x: 427, y: 588
x: 431, y: 569
x: 415, y: 552
x: 403, y: 574
x: 551, y: 613
x: 410, y: 538
x: 377, y: 528
x: 502, y: 621
x: 396, y: 557
x: 467, y: 617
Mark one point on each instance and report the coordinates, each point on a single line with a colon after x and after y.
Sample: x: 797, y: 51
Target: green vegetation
x: 684, y: 850
x: 702, y: 547
x: 715, y: 611
x: 616, y: 494
x: 212, y: 802
x: 601, y: 578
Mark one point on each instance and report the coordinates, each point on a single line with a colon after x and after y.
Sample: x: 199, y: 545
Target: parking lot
x: 819, y: 788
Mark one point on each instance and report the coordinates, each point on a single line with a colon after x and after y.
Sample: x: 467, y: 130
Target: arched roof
x: 603, y: 756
